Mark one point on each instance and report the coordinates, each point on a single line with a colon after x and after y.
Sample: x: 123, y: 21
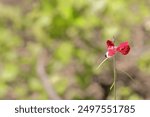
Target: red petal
x: 111, y: 52
x: 109, y: 43
x: 124, y: 48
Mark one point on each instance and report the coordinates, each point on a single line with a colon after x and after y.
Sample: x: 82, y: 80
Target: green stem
x: 115, y: 76
x: 101, y: 63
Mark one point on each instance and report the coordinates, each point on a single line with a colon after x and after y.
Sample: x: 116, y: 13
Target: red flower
x: 123, y: 48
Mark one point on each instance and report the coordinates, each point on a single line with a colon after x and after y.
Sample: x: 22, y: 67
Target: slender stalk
x: 112, y: 86
x: 127, y: 75
x: 101, y: 63
x: 115, y: 76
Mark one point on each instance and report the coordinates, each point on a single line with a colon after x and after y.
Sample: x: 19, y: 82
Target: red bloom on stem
x: 123, y: 48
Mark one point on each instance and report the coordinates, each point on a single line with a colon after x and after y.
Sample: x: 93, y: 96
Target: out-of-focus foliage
x: 74, y: 34
x: 144, y: 63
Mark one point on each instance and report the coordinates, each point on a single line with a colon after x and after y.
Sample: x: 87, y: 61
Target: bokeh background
x: 49, y: 49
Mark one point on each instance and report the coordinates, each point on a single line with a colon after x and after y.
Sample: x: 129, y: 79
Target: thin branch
x: 41, y: 63
x: 127, y: 75
x: 115, y: 76
x: 111, y: 86
x: 101, y: 63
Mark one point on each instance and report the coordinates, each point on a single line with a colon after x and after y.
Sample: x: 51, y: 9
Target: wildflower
x: 123, y: 48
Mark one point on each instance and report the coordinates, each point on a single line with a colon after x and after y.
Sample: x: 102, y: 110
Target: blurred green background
x: 49, y: 49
